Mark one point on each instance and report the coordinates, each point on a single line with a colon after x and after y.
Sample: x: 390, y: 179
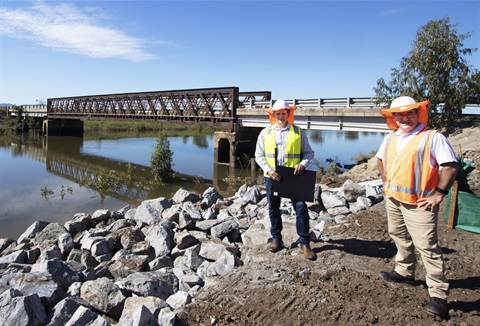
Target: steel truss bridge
x: 214, y: 106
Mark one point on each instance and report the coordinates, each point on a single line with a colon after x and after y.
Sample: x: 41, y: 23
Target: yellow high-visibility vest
x: 293, y: 148
x: 409, y: 174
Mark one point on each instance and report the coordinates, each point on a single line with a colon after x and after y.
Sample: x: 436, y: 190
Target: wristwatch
x: 442, y: 191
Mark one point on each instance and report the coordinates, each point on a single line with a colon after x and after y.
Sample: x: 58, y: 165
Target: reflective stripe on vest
x: 293, y: 147
x: 409, y: 174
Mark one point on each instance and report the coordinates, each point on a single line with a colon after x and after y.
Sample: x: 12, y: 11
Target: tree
x: 435, y: 69
x: 475, y: 88
x: 161, y: 160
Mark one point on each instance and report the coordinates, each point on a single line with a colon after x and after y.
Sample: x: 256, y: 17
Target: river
x: 53, y: 178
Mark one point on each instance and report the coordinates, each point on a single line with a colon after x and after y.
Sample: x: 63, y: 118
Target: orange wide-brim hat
x: 271, y: 115
x: 405, y: 104
x: 280, y: 105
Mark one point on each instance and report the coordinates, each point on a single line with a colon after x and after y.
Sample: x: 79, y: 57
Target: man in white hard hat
x: 285, y: 144
x: 418, y: 166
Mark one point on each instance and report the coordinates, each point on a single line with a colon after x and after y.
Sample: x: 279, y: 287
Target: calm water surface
x: 46, y: 178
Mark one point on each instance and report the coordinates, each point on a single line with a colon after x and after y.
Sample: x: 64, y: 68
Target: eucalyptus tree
x: 435, y: 69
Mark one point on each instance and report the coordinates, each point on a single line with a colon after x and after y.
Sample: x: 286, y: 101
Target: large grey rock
x: 172, y: 213
x: 157, y: 284
x: 331, y: 200
x: 206, y: 225
x: 101, y: 215
x: 256, y: 235
x: 210, y: 197
x: 61, y: 273
x: 48, y: 236
x: 35, y: 228
x: 129, y: 236
x: 40, y: 284
x: 185, y: 221
x: 125, y: 263
x: 213, y: 250
x: 159, y: 204
x: 141, y: 316
x: 184, y: 239
x: 5, y: 242
x: 64, y: 310
x: 166, y: 317
x: 222, y: 229
x: 19, y: 310
x: 160, y: 262
x: 65, y: 243
x: 192, y: 259
x: 85, y: 316
x: 147, y: 214
x: 183, y: 195
x: 253, y: 195
x: 179, y: 299
x: 161, y: 239
x: 351, y: 191
x: 104, y: 295
x: 153, y: 304
x: 226, y: 263
x: 51, y: 252
x: 79, y: 223
x: 15, y: 257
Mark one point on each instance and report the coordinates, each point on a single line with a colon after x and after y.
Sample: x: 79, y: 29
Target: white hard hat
x: 280, y: 104
x: 405, y: 104
x: 402, y: 102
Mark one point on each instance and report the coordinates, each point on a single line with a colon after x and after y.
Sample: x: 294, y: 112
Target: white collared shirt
x: 281, y: 136
x: 440, y: 150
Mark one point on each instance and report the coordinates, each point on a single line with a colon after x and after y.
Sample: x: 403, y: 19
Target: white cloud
x: 64, y: 27
x: 392, y: 11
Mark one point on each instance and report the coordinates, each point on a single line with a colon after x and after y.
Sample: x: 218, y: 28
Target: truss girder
x: 207, y: 106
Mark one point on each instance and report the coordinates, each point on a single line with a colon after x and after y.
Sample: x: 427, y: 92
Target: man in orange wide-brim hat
x: 418, y: 166
x: 284, y: 144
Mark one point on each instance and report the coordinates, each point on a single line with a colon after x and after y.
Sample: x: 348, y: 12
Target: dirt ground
x: 343, y: 286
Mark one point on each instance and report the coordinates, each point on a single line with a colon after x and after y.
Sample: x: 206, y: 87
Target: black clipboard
x: 297, y: 187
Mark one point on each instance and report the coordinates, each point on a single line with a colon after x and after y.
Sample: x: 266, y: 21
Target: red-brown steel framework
x: 213, y: 106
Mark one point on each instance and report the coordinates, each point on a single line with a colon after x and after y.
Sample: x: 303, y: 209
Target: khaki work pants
x: 411, y: 228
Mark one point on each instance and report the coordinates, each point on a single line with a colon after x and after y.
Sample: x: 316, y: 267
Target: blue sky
x: 295, y: 49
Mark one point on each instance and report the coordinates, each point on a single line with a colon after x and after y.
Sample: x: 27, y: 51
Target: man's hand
x: 298, y: 169
x: 274, y: 175
x: 431, y: 202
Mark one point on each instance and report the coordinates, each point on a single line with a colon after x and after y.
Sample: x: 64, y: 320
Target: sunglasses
x: 409, y: 114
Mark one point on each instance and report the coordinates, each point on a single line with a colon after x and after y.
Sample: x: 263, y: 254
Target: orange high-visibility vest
x: 409, y: 174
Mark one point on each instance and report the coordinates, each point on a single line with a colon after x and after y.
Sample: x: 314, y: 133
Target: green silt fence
x: 467, y: 210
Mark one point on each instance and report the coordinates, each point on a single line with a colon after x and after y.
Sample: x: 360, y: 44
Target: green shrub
x: 161, y: 160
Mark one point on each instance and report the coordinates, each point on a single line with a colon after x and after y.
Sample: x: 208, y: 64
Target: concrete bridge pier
x: 235, y: 148
x: 63, y: 127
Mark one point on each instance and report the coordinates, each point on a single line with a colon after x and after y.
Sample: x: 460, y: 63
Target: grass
x: 102, y: 129
x: 363, y: 157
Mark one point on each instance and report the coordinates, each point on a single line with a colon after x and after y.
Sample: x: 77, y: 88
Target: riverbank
x: 146, y: 262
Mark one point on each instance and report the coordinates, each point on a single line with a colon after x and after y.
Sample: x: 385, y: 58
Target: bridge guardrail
x: 346, y: 102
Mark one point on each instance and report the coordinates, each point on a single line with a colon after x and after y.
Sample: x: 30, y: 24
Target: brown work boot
x: 308, y: 252
x: 274, y: 245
